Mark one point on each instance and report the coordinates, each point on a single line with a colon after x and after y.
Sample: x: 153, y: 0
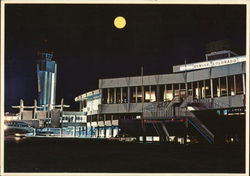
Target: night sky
x: 88, y: 47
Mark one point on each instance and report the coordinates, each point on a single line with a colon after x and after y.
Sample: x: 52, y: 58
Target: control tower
x: 46, y: 76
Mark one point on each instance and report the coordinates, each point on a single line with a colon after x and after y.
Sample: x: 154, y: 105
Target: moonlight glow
x: 120, y: 22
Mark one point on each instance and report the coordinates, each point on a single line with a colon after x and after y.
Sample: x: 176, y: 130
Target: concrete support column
x: 164, y: 93
x: 211, y: 88
x: 198, y: 87
x: 108, y: 99
x: 192, y: 87
x: 101, y: 95
x: 136, y: 94
x: 115, y: 95
x: 150, y: 92
x: 219, y: 88
x: 234, y: 85
x: 179, y: 90
x: 157, y: 93
x: 244, y: 83
x: 121, y: 96
x: 142, y: 93
x: 173, y: 90
x: 80, y: 106
x: 186, y: 89
x: 128, y: 95
x: 204, y: 85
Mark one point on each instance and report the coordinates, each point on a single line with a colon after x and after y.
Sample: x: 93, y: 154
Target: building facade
x: 199, y: 101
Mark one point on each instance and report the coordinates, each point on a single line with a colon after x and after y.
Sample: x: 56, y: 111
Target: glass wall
x: 139, y: 94
x: 195, y: 90
x: 118, y: 95
x: 104, y: 96
x: 223, y: 86
x: 231, y: 86
x: 176, y: 90
x: 182, y: 90
x: 216, y: 89
x: 168, y: 95
x: 153, y: 93
x: 161, y: 93
x: 132, y: 94
x: 190, y: 89
x: 207, y: 89
x: 201, y: 89
x: 111, y: 95
x: 147, y: 94
x: 239, y: 84
x: 124, y: 95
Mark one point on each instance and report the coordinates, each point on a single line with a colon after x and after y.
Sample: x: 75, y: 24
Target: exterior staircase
x: 161, y: 130
x: 176, y: 109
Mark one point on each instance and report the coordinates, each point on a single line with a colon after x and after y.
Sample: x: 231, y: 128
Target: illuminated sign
x: 213, y: 63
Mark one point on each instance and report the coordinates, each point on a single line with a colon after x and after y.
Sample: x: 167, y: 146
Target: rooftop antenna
x: 142, y: 103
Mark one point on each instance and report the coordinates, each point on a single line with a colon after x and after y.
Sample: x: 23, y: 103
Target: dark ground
x: 85, y: 155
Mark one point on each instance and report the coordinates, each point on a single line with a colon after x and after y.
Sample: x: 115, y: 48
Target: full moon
x: 120, y: 22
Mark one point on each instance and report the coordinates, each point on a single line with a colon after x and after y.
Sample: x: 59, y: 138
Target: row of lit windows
x: 106, y: 117
x: 217, y: 87
x: 73, y: 119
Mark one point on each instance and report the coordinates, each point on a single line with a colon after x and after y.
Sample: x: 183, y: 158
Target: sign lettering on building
x: 213, y: 63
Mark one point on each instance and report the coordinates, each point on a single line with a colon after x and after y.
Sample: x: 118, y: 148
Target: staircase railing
x: 212, y: 103
x: 203, y: 130
x: 161, y: 130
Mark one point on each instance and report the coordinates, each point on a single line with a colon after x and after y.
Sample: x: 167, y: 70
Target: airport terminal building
x: 198, y: 102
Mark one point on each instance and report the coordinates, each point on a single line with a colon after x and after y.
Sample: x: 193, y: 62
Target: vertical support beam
x: 211, y: 88
x: 128, y: 95
x: 157, y: 93
x: 121, y: 96
x: 164, y: 93
x: 179, y: 90
x: 108, y: 99
x: 80, y: 106
x: 173, y: 90
x: 192, y: 87
x: 101, y: 97
x: 150, y: 92
x: 244, y: 83
x: 234, y: 85
x: 186, y: 89
x: 219, y: 88
x: 142, y: 94
x: 204, y: 86
x: 136, y: 94
x: 198, y: 87
x: 115, y: 95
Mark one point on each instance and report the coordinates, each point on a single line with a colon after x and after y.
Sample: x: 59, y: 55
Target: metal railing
x: 201, y: 128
